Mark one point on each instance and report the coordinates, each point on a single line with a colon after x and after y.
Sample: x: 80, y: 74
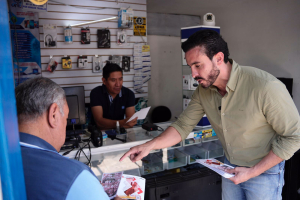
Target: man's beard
x: 212, y: 76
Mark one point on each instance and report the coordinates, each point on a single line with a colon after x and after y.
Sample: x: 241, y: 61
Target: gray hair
x: 35, y: 96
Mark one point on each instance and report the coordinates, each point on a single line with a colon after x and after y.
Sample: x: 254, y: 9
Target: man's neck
x: 39, y: 129
x: 223, y: 78
x: 112, y: 95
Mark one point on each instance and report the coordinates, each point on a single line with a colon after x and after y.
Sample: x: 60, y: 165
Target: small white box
x: 186, y: 82
x: 186, y: 103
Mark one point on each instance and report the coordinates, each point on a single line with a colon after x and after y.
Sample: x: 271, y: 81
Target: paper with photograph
x: 132, y: 187
x: 110, y: 183
x: 216, y: 166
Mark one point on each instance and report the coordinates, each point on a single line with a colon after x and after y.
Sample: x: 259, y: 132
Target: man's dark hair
x: 109, y: 68
x: 212, y: 42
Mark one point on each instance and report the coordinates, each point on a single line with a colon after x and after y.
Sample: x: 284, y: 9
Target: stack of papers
x: 123, y: 185
x: 216, y: 166
x: 132, y: 187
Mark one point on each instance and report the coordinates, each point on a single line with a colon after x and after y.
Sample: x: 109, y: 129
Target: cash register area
x: 162, y: 168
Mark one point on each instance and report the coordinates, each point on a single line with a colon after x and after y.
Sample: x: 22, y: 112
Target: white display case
x: 194, y: 152
x: 152, y: 163
x: 214, y: 150
x: 176, y: 159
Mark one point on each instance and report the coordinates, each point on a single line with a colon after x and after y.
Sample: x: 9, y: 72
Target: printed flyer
x: 26, y: 51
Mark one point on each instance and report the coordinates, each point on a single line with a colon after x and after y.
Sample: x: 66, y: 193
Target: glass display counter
x: 152, y: 163
x: 105, y: 159
x: 214, y: 149
x: 176, y: 159
x: 194, y: 152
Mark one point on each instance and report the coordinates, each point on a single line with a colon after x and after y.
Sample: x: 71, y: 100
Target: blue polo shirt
x: 113, y: 109
x: 48, y: 175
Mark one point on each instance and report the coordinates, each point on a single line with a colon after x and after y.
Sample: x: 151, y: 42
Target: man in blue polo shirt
x: 42, y: 118
x: 112, y: 101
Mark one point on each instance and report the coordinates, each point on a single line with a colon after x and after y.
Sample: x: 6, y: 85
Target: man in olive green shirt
x: 258, y: 123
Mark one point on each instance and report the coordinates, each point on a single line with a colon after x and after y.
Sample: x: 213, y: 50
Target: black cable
x: 67, y: 152
x: 161, y: 129
x: 80, y: 150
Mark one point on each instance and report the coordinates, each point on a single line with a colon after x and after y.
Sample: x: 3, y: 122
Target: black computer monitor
x: 76, y: 101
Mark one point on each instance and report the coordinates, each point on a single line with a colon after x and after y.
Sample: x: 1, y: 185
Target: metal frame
x: 11, y: 167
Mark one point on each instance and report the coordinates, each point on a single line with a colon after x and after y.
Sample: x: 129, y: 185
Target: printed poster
x: 24, y: 27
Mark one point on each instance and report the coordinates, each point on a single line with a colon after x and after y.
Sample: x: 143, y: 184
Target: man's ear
x: 104, y: 81
x: 53, y: 115
x: 219, y: 58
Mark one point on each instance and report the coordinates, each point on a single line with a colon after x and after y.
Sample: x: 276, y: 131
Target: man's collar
x: 34, y: 140
x: 232, y: 82
x: 109, y: 96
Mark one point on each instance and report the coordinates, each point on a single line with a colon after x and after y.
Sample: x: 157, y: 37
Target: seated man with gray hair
x: 42, y: 118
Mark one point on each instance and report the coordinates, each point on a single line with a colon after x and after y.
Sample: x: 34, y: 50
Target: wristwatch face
x: 38, y: 2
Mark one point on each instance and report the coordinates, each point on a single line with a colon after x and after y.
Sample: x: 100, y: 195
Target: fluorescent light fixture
x: 91, y: 22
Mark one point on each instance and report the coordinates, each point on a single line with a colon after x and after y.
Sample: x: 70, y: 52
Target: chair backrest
x: 161, y: 114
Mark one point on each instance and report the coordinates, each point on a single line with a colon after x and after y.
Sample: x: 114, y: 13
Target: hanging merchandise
x: 146, y: 63
x: 142, y: 66
x: 68, y: 35
x: 125, y: 18
x: 66, y: 62
x: 85, y: 36
x: 138, y: 67
x: 140, y: 28
x: 115, y: 59
x: 82, y: 61
x: 121, y: 38
x: 97, y: 64
x: 103, y: 38
x: 52, y: 65
x: 126, y: 63
x: 50, y: 35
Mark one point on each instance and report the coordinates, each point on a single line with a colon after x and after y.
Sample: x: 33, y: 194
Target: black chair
x: 161, y: 114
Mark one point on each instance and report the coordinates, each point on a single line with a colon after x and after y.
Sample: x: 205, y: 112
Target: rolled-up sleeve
x: 282, y: 114
x: 190, y: 117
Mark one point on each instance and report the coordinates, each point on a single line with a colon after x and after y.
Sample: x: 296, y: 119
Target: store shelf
x: 210, y: 139
x: 152, y: 163
x: 193, y: 153
x: 176, y: 159
x: 213, y: 149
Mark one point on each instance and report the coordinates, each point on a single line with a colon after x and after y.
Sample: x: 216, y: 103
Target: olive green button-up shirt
x: 257, y: 115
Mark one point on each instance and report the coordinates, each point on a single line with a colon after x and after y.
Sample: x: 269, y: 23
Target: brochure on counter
x: 216, y: 166
x: 123, y: 185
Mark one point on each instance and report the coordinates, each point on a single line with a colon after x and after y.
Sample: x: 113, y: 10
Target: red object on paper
x: 140, y: 191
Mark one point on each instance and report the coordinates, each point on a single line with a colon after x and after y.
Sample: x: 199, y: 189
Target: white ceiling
x: 189, y: 7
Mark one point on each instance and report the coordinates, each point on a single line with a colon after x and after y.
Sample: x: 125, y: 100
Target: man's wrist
x: 255, y: 171
x: 152, y: 144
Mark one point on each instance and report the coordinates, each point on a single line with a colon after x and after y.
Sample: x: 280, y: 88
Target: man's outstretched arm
x: 168, y: 138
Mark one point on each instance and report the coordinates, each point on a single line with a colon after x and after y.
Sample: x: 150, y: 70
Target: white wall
x: 264, y: 34
x: 165, y: 86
